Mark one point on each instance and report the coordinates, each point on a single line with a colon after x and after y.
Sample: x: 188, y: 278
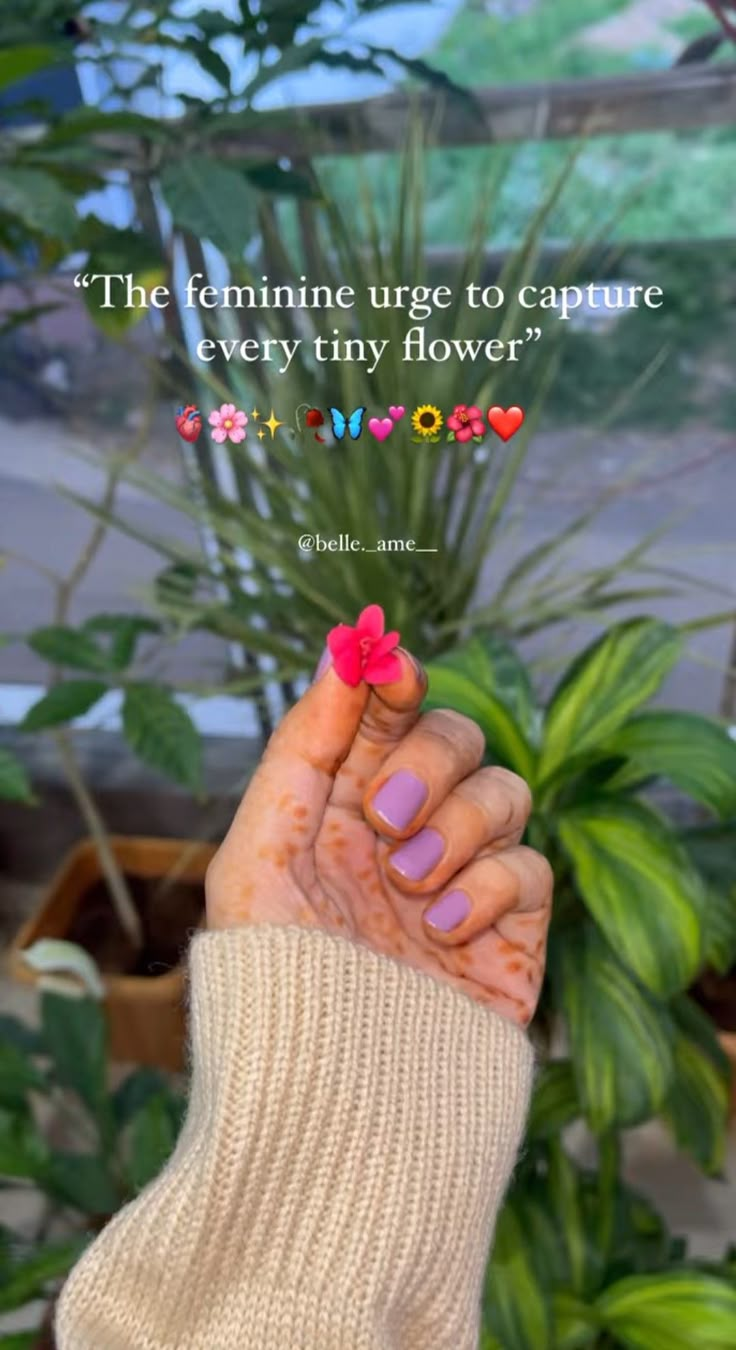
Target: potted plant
x: 132, y: 903
x: 642, y: 905
x: 54, y: 1093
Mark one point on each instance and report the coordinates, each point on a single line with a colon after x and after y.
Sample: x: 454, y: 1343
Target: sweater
x: 351, y: 1128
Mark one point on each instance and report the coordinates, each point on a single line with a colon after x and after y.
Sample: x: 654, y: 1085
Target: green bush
x: 57, y: 1079
x: 641, y: 906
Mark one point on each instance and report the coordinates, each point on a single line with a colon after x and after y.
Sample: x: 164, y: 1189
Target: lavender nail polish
x: 416, y: 858
x: 448, y: 912
x: 400, y: 799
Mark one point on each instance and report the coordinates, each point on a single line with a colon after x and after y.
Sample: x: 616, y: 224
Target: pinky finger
x: 517, y: 880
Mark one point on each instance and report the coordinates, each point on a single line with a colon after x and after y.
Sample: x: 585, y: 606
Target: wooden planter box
x: 145, y: 1013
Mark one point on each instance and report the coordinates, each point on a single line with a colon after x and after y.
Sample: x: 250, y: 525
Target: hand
x: 373, y: 822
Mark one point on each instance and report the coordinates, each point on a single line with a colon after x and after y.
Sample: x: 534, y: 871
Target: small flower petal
x: 384, y: 645
x: 220, y: 435
x: 385, y: 670
x: 341, y: 638
x: 237, y: 434
x: 227, y: 410
x: 240, y: 418
x: 453, y: 422
x: 349, y: 665
x: 464, y: 434
x: 214, y: 418
x: 371, y: 622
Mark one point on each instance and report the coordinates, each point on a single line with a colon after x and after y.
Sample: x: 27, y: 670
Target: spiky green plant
x: 252, y: 584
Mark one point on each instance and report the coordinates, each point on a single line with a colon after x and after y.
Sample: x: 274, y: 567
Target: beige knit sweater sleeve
x: 351, y: 1129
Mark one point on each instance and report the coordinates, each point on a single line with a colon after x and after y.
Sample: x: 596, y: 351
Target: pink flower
x: 228, y: 421
x: 466, y: 422
x: 365, y: 652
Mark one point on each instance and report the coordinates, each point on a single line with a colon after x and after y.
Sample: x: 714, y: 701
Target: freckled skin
x: 289, y: 858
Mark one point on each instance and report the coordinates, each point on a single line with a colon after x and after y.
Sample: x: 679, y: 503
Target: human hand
x: 370, y: 821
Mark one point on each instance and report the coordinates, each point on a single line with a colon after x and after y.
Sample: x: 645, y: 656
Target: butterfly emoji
x: 353, y: 423
x: 189, y: 422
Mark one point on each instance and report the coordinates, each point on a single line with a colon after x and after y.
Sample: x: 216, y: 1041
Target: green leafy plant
x: 641, y: 906
x: 85, y: 663
x: 211, y: 193
x: 54, y: 1085
x: 406, y: 508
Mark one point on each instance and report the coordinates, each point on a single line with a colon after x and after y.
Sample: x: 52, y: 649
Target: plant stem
x: 65, y: 588
x: 117, y: 886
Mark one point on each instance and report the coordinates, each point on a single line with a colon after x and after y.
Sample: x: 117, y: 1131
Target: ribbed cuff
x: 352, y: 1127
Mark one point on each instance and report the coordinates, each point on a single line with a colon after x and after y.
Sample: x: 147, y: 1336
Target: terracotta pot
x: 145, y: 1013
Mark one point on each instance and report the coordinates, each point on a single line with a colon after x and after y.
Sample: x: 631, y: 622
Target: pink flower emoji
x: 466, y: 422
x: 365, y: 652
x: 228, y: 421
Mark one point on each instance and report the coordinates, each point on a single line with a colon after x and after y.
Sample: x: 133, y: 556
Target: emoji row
x: 466, y: 422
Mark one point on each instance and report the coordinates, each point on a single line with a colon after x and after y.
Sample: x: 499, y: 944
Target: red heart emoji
x: 505, y: 421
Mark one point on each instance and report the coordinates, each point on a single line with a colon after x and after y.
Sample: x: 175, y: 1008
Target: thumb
x: 293, y: 783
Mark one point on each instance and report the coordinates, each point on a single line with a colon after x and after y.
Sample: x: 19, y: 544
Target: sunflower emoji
x: 426, y: 421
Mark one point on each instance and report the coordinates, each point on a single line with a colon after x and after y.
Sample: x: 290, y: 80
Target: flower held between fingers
x: 365, y: 652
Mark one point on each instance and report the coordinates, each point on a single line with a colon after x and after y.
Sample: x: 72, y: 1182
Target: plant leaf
x: 83, y: 1180
x: 698, y: 1099
x: 451, y: 689
x: 123, y: 630
x: 64, y: 646
x: 161, y: 731
x: 604, y: 685
x: 555, y: 1101
x: 17, y: 63
x: 121, y: 253
x: 639, y: 885
x: 494, y: 666
x: 151, y: 1140
x: 135, y: 1092
x: 212, y: 201
x: 695, y: 753
x: 15, y: 784
x: 674, y: 1310
x: 29, y: 1277
x: 75, y: 1034
x: 38, y: 202
x: 18, y: 1076
x: 23, y: 1150
x: 64, y: 702
x: 517, y: 1308
x: 619, y: 1037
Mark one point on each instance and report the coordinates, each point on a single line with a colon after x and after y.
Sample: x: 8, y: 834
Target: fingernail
x: 416, y: 858
x: 399, y: 799
x: 448, y: 912
x: 325, y: 661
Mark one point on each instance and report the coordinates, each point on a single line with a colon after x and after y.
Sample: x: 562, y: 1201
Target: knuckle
x: 517, y: 789
x: 461, y: 734
x: 542, y: 874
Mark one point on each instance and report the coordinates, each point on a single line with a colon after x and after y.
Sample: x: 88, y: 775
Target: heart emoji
x: 397, y: 412
x: 380, y: 427
x: 505, y: 421
x: 188, y: 423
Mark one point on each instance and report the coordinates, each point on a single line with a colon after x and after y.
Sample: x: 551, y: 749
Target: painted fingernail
x: 325, y: 661
x: 400, y: 799
x: 448, y: 912
x: 416, y: 858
